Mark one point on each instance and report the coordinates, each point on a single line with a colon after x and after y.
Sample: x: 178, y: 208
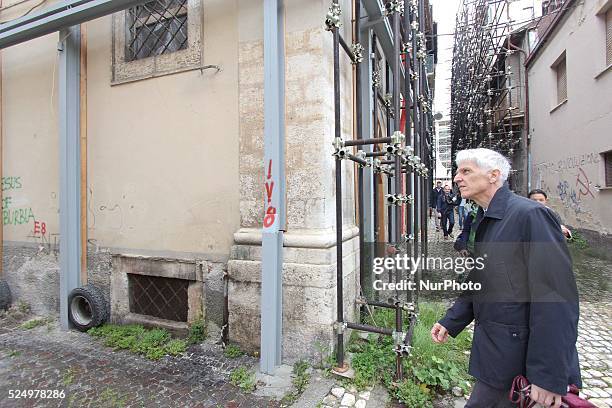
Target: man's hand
x: 546, y: 398
x: 439, y: 334
x: 566, y: 231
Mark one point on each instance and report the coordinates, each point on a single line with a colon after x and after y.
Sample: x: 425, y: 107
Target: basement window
x: 164, y: 298
x: 157, y: 38
x: 156, y: 27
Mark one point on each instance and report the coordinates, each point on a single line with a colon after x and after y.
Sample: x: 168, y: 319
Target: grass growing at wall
x: 432, y: 368
x: 153, y: 343
x: 300, y: 380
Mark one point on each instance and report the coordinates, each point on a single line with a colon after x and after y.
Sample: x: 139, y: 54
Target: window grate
x: 165, y: 298
x: 608, y: 168
x: 609, y: 37
x: 561, y: 81
x: 155, y: 28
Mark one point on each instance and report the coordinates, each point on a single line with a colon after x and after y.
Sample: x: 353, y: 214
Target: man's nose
x: 457, y: 178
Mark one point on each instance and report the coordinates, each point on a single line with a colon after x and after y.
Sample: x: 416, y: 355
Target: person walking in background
x: 433, y: 204
x: 446, y: 207
x: 541, y: 197
x: 461, y: 212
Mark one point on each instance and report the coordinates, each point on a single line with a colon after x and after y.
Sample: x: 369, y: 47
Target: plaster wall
x: 567, y: 139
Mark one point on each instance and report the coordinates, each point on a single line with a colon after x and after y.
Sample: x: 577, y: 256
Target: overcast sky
x: 444, y: 12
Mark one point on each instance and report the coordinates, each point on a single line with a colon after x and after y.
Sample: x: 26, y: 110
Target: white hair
x: 486, y: 159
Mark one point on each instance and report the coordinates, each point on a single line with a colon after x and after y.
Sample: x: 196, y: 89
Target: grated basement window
x: 155, y: 28
x: 165, y: 298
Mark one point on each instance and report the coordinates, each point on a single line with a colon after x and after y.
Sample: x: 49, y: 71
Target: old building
x: 570, y: 102
x: 173, y: 179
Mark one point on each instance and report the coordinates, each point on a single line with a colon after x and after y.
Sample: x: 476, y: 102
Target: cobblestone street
x: 93, y: 375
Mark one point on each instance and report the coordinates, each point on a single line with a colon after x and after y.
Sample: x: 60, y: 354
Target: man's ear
x: 494, y: 176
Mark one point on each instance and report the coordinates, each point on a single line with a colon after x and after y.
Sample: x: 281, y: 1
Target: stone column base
x: 309, y: 291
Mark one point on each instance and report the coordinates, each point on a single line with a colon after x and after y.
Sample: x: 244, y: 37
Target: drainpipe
x: 525, y: 135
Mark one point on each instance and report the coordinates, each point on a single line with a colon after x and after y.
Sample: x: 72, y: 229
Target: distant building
x: 443, y: 150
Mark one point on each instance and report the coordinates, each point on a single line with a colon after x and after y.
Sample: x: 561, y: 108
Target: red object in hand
x: 519, y: 394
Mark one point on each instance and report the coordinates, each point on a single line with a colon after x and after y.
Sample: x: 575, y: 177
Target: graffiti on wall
x: 13, y: 213
x: 573, y: 195
x: 16, y: 212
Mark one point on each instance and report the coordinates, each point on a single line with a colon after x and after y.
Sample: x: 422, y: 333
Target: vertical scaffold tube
x: 337, y: 132
x: 398, y: 172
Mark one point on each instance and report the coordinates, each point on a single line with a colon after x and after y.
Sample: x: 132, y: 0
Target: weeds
x: 243, y: 378
x: 197, y: 331
x: 153, y: 344
x: 30, y: 324
x: 431, y: 368
x: 111, y: 398
x: 232, y: 351
x: 68, y: 376
x: 300, y: 381
x: 14, y: 353
x: 578, y: 241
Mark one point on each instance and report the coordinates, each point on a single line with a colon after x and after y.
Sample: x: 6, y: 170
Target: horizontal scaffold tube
x: 356, y: 159
x: 361, y: 142
x: 375, y: 304
x: 368, y: 328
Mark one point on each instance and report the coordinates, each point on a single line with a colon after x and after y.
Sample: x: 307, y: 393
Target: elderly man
x: 526, y: 314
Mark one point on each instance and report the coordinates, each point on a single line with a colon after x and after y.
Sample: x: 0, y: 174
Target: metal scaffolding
x: 482, y: 109
x: 402, y: 157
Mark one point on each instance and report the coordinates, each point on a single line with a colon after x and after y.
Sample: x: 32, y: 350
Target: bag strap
x: 519, y: 392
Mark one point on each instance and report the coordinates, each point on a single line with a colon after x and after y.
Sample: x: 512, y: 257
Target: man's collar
x: 499, y: 203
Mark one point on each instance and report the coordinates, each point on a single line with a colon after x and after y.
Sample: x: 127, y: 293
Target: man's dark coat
x: 435, y: 193
x: 526, y: 314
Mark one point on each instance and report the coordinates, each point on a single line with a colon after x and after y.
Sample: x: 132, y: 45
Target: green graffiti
x: 11, y: 183
x: 17, y: 216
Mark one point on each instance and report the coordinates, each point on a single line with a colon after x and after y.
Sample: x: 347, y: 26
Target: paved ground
x: 93, y: 375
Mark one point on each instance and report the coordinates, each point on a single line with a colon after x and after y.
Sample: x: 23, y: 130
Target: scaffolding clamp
x: 338, y: 143
x: 357, y: 50
x: 376, y: 78
x: 332, y: 20
x: 398, y: 337
x: 394, y: 6
x: 403, y: 350
x: 341, y: 153
x: 340, y: 327
x: 391, y: 149
x: 398, y: 199
x: 408, y: 237
x: 397, y: 138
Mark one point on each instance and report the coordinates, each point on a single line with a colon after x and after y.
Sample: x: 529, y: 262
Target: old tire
x: 5, y: 295
x: 87, y: 308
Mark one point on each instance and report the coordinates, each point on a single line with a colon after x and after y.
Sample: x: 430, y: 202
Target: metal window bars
x: 407, y: 117
x: 155, y: 28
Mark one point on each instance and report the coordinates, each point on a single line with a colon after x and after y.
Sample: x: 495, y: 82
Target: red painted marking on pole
x: 270, y: 169
x: 269, y: 190
x: 270, y: 217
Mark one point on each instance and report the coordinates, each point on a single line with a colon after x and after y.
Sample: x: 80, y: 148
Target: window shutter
x: 609, y: 37
x: 561, y: 81
x: 608, y: 168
